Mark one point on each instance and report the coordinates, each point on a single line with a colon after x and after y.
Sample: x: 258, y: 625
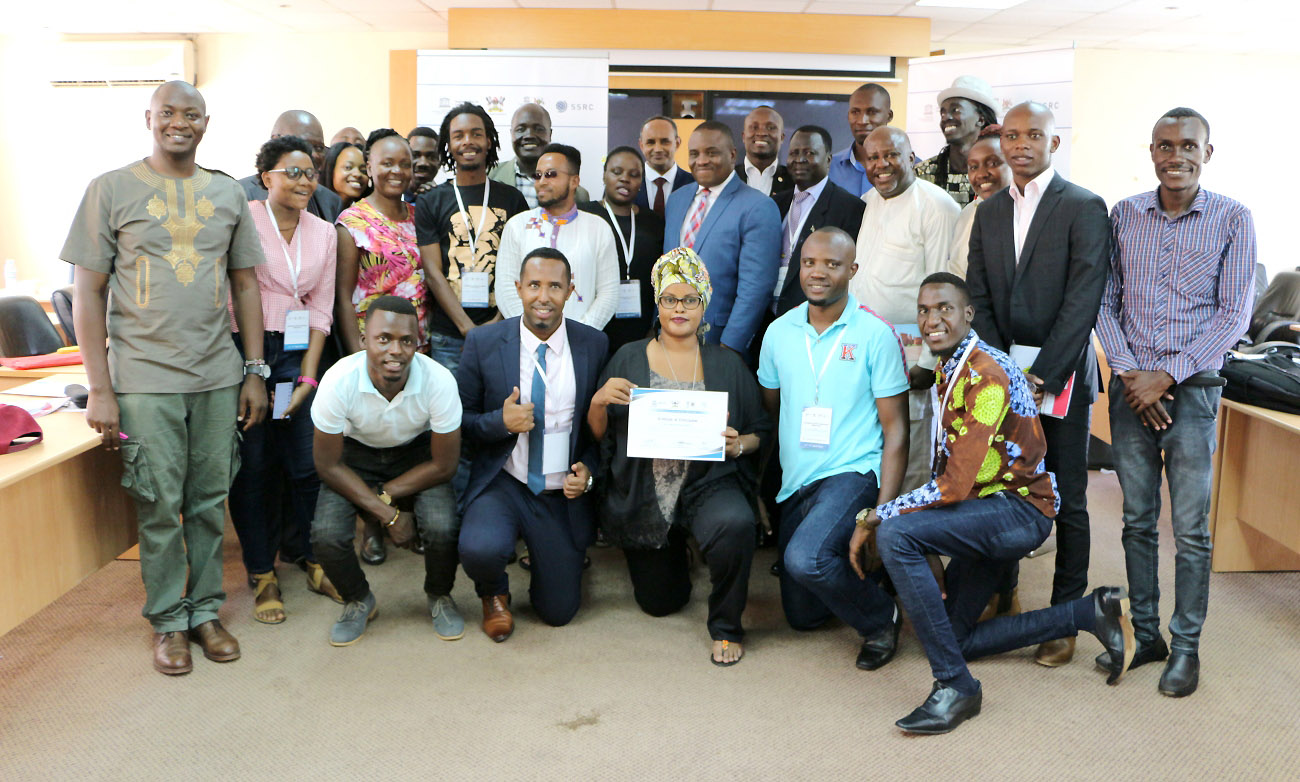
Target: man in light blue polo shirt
x: 821, y: 366
x: 868, y: 110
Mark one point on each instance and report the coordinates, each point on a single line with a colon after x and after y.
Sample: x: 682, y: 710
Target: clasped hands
x: 1146, y: 391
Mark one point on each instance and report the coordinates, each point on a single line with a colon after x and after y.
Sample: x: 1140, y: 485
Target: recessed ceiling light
x: 992, y: 5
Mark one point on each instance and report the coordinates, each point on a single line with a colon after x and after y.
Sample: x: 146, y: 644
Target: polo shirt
x: 867, y: 365
x: 347, y: 403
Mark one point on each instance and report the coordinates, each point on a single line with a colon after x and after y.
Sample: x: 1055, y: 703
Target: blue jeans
x: 1185, y: 450
x: 816, y: 580
x: 273, y: 498
x: 984, y: 538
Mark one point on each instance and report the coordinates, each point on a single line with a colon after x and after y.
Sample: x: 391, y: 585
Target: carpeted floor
x: 620, y: 695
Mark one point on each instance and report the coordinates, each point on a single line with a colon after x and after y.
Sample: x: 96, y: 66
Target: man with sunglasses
x: 557, y: 223
x: 324, y: 203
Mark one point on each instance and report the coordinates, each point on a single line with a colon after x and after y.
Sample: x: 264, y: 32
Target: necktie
x: 536, y: 478
x: 792, y: 231
x: 696, y: 219
x: 659, y: 195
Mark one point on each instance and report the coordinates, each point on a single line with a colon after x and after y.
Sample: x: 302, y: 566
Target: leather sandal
x: 319, y: 583
x: 261, y: 583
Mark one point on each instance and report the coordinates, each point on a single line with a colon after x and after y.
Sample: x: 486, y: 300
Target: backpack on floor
x: 1269, y: 378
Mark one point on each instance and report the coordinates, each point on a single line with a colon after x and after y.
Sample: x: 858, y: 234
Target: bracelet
x: 255, y: 362
x: 394, y: 521
x: 311, y: 381
x: 741, y: 443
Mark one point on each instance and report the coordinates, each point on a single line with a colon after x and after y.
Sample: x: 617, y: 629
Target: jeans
x: 984, y: 538
x: 273, y: 498
x: 816, y: 579
x: 1185, y: 450
x: 335, y: 526
x: 446, y: 350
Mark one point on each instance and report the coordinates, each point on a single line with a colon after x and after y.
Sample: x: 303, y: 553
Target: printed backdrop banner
x: 574, y: 90
x: 1044, y: 75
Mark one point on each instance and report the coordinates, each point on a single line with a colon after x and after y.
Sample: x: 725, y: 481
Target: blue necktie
x: 536, y: 478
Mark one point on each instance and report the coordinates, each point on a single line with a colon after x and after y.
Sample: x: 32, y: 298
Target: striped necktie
x: 696, y: 219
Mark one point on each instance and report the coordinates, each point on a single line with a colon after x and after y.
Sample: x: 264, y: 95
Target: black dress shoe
x: 1114, y: 629
x: 1182, y: 674
x: 373, y: 551
x: 943, y: 711
x: 1153, y: 652
x: 879, y: 648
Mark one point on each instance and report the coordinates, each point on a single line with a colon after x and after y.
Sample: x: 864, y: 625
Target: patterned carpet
x: 620, y: 695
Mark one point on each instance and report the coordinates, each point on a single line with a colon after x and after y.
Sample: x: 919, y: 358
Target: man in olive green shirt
x: 173, y: 243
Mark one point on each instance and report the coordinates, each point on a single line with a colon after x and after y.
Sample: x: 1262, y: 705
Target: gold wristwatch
x: 863, y: 515
x: 384, y: 496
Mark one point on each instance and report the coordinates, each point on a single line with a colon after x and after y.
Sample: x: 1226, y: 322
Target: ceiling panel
x: 565, y: 3
x: 781, y: 6
x: 400, y: 22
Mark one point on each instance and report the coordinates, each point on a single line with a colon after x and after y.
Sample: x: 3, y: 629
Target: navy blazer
x: 782, y: 182
x: 489, y: 372
x: 740, y: 242
x: 682, y: 179
x: 1051, y: 297
x: 834, y: 206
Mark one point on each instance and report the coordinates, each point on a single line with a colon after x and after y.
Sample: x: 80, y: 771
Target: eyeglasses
x: 551, y: 174
x: 295, y: 173
x: 671, y: 302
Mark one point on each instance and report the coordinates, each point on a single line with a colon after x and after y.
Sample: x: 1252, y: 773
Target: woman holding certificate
x: 650, y: 505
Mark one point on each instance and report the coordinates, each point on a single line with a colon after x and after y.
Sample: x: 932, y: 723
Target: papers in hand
x: 1055, y: 405
x: 669, y: 424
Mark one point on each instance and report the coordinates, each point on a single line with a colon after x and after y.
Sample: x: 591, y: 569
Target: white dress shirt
x: 651, y: 175
x: 760, y: 180
x: 561, y: 390
x: 593, y: 259
x: 347, y: 403
x: 957, y: 255
x: 714, y: 192
x: 1025, y: 205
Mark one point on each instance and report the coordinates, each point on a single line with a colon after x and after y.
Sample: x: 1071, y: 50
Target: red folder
x: 42, y: 362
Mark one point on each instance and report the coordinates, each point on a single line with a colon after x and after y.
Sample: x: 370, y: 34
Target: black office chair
x: 62, y: 301
x: 1277, y: 310
x: 25, y: 329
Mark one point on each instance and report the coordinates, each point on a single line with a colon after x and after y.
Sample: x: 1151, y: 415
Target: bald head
x: 1036, y: 112
x: 530, y: 132
x: 833, y: 239
x: 304, y: 125
x: 888, y: 160
x: 1028, y: 141
x: 762, y: 135
x: 826, y: 264
x: 175, y: 92
x: 178, y: 117
x: 350, y: 135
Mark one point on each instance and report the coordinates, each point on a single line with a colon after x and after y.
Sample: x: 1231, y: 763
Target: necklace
x: 695, y: 365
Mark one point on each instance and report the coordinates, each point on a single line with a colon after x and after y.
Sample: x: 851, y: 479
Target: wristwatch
x: 861, y: 518
x: 590, y: 480
x: 384, y: 496
x: 258, y: 367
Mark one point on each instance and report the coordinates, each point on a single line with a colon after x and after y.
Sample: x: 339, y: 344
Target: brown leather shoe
x: 171, y: 653
x: 498, y: 623
x: 1056, y: 653
x: 219, y: 646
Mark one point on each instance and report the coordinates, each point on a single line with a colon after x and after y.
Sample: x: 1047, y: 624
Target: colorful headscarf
x: 681, y: 265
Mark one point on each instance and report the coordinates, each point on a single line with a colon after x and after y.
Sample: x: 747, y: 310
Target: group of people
x: 483, y: 338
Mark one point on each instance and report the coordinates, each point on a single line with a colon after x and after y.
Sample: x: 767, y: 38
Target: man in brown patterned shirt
x: 990, y: 502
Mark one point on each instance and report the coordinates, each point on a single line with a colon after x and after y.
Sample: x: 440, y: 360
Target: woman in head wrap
x: 650, y: 506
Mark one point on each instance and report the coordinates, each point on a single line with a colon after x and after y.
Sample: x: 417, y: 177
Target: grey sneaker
x: 448, y: 624
x: 352, y: 624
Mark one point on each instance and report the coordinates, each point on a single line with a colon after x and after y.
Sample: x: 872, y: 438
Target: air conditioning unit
x: 121, y: 63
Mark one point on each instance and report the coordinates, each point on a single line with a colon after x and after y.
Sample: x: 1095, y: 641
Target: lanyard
x: 631, y: 238
x: 792, y: 230
x: 542, y: 372
x: 294, y: 270
x: 937, y: 433
x: 469, y: 219
x: 817, y: 387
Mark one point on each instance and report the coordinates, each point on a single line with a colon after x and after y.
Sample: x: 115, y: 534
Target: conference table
x: 63, y: 512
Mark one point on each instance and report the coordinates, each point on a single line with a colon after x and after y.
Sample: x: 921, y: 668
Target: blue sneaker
x: 352, y: 624
x: 448, y: 624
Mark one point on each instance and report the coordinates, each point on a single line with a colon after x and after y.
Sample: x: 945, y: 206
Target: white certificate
x: 667, y: 424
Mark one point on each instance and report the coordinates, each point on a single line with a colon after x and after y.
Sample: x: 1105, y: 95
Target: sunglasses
x: 295, y: 173
x: 670, y: 302
x: 551, y: 174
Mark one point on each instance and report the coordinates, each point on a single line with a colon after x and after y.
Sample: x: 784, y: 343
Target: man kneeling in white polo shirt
x: 387, y: 428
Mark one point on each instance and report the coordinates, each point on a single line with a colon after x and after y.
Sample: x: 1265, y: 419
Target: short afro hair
x: 275, y: 149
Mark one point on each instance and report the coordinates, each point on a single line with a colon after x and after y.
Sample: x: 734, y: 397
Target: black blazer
x: 489, y: 371
x: 1051, y: 297
x: 324, y: 203
x: 835, y: 206
x: 682, y: 179
x: 781, y: 183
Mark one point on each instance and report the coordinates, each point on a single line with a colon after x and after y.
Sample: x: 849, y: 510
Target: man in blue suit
x: 525, y: 385
x: 734, y: 228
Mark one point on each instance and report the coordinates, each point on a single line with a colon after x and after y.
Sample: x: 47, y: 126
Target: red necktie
x: 659, y: 195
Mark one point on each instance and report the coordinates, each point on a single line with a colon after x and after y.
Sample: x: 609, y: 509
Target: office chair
x: 62, y: 301
x: 25, y: 329
x: 1276, y: 310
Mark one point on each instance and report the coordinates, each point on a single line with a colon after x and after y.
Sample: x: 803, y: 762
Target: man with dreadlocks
x: 965, y: 109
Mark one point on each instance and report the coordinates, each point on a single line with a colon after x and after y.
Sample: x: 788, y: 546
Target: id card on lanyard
x: 815, y: 422
x: 629, y: 290
x: 475, y: 287
x: 555, y: 444
x: 296, y: 322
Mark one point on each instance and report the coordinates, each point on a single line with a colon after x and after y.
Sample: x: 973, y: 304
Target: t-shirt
x: 348, y: 403
x: 439, y: 220
x: 864, y: 362
x: 166, y: 245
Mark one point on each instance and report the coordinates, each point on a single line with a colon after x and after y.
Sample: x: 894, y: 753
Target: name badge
x: 555, y: 452
x: 474, y: 289
x: 815, y: 428
x: 780, y: 280
x: 629, y: 299
x: 296, y: 331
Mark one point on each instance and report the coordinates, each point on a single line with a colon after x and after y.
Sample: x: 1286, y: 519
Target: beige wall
x: 1118, y: 95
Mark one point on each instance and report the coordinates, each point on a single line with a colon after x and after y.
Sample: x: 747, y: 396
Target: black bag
x: 1271, y: 380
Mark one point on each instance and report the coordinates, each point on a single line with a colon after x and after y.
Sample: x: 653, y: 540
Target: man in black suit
x: 525, y: 385
x: 820, y: 203
x: 1039, y: 255
x: 762, y: 136
x: 324, y: 202
x: 659, y: 142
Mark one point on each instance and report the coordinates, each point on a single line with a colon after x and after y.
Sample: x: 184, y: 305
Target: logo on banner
x: 495, y: 102
x: 539, y: 101
x: 846, y: 351
x: 561, y: 106
x: 444, y: 103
